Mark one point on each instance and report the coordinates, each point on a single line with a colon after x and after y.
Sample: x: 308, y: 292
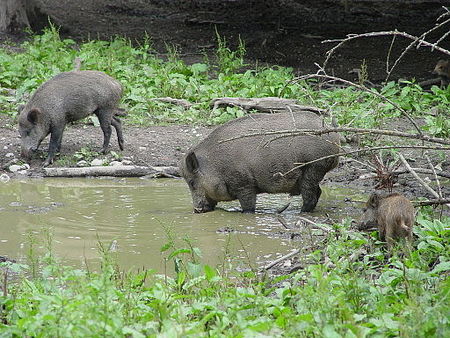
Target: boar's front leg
x: 55, y: 145
x: 105, y: 117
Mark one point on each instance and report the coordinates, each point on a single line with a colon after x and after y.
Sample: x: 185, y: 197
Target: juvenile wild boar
x: 442, y: 69
x: 68, y: 97
x: 242, y: 168
x: 393, y: 214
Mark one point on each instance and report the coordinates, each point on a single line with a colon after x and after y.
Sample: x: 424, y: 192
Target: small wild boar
x: 392, y: 213
x: 242, y: 168
x: 67, y: 97
x: 442, y: 69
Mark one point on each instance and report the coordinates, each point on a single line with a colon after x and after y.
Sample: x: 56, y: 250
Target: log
x: 116, y: 171
x: 264, y: 104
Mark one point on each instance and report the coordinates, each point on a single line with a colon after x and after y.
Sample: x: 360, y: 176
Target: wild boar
x: 392, y: 213
x: 67, y: 97
x: 442, y: 69
x: 242, y: 168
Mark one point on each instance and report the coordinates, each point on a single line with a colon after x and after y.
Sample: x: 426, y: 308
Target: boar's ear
x: 192, y: 162
x: 33, y: 115
x: 374, y: 200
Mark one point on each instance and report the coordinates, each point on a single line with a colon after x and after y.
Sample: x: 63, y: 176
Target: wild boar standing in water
x: 242, y: 168
x: 393, y: 215
x: 68, y: 97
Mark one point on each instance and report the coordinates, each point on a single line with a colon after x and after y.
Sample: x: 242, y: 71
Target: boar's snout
x: 203, y: 209
x: 26, y: 152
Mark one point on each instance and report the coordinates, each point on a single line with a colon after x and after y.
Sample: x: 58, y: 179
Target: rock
x: 15, y: 168
x: 127, y: 162
x: 8, y: 155
x: 26, y: 166
x: 82, y: 163
x: 115, y: 163
x: 96, y: 162
x: 4, y: 178
x: 22, y: 172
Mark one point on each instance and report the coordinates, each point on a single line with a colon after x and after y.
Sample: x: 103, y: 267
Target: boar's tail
x: 120, y: 112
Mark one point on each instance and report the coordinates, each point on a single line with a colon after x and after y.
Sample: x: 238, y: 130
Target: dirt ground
x: 270, y: 38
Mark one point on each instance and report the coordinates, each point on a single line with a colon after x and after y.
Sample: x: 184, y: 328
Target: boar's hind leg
x: 247, y: 199
x: 105, y: 118
x: 117, y: 124
x: 310, y: 189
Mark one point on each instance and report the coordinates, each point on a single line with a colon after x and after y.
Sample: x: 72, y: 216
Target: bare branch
x: 297, y: 132
x: 363, y: 88
x: 422, y: 182
x: 382, y: 33
x: 300, y: 165
x: 431, y: 202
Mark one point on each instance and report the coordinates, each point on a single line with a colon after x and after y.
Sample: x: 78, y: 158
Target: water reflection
x: 138, y: 214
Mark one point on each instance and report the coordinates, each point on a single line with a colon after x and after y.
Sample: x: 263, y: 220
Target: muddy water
x: 139, y: 214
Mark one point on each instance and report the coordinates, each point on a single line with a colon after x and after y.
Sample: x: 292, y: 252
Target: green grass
x: 348, y: 287
x: 146, y: 76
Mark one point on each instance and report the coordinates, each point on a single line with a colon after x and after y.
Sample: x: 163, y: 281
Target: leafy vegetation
x: 348, y: 288
x: 146, y: 76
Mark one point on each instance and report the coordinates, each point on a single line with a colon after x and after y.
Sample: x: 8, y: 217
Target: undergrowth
x: 146, y: 76
x: 350, y: 287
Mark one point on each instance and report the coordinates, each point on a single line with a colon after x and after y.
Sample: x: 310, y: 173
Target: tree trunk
x: 13, y: 15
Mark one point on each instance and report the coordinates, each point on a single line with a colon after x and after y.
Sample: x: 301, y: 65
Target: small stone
x: 22, y: 172
x: 96, y: 162
x: 127, y: 162
x: 8, y: 155
x: 14, y: 168
x: 115, y: 163
x: 4, y: 178
x: 142, y: 148
x: 82, y: 163
x: 5, y: 147
x: 26, y: 166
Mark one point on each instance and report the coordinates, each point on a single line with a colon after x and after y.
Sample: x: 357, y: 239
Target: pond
x: 138, y: 215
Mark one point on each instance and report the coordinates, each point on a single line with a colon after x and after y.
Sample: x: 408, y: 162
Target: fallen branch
x: 116, y: 171
x: 264, y: 104
x: 279, y: 260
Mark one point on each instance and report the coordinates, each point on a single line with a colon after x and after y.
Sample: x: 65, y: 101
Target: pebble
x: 15, y: 168
x: 142, y: 148
x: 8, y: 155
x: 115, y: 163
x: 4, y: 178
x: 82, y: 163
x: 127, y: 162
x: 96, y: 162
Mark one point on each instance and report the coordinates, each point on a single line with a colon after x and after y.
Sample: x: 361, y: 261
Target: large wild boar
x: 68, y: 97
x: 393, y: 214
x: 240, y: 169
